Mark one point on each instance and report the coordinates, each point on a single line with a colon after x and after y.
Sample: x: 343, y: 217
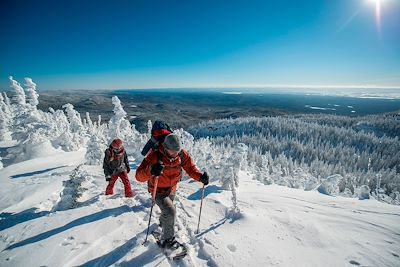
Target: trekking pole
x: 201, y: 206
x: 153, y: 201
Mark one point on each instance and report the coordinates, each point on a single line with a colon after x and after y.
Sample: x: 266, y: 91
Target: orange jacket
x: 172, y: 172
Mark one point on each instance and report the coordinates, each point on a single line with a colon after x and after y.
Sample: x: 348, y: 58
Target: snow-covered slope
x: 54, y: 213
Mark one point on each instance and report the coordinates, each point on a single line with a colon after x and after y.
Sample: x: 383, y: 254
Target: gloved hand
x: 157, y: 169
x: 128, y: 170
x: 108, y: 178
x: 204, y: 178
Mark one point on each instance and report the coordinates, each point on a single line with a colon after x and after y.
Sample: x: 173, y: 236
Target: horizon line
x: 242, y: 86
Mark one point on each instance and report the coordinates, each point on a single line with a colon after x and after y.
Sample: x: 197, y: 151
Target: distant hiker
x: 166, y: 164
x: 116, y: 165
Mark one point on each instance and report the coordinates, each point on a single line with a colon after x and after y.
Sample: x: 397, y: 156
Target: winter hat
x: 117, y: 144
x: 172, y: 142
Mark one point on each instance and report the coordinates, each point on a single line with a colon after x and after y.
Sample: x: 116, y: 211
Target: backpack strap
x: 182, y: 157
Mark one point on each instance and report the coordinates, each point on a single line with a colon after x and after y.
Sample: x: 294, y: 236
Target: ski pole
x: 153, y: 201
x: 201, y: 206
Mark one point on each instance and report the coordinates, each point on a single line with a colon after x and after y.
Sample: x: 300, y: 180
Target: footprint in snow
x: 67, y: 241
x: 232, y: 247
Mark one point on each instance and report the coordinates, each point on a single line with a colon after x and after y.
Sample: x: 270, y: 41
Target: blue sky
x: 149, y: 44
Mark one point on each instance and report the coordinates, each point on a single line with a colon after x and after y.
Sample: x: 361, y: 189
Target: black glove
x: 157, y: 169
x: 128, y: 170
x: 204, y: 178
x: 108, y: 178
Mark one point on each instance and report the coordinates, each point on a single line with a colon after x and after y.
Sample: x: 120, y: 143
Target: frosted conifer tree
x: 7, y: 100
x: 32, y: 95
x: 68, y: 141
x: 120, y: 127
x: 235, y: 162
x: 73, y: 118
x: 115, y: 121
x: 20, y: 97
x: 95, y: 150
x: 5, y: 120
x: 77, y: 134
x: 89, y: 122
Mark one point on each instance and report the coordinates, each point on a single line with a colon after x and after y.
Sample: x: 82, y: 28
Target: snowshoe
x: 171, y: 247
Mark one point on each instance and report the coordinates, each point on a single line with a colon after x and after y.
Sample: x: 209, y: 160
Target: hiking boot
x: 169, y: 243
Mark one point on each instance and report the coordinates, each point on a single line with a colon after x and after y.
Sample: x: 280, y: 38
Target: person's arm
x: 128, y: 168
x: 143, y: 171
x: 106, y: 167
x: 189, y: 166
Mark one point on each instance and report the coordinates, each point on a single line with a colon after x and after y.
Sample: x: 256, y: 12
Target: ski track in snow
x: 52, y: 221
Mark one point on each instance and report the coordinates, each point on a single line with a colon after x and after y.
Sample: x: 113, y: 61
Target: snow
x: 273, y: 226
x: 232, y: 93
x: 319, y: 108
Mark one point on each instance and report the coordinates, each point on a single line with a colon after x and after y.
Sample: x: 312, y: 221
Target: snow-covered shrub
x: 395, y: 197
x: 302, y: 179
x: 38, y: 146
x: 330, y: 186
x: 72, y: 190
x: 95, y: 150
x: 363, y: 192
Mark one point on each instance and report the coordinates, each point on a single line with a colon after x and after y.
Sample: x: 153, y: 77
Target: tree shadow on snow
x: 9, y: 220
x: 81, y: 221
x: 112, y: 257
x: 150, y: 255
x: 207, y: 190
x: 231, y: 216
x: 35, y: 172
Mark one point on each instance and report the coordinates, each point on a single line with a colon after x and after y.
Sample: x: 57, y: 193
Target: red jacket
x: 172, y: 172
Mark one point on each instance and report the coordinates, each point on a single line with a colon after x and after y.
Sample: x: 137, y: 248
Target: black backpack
x: 159, y: 131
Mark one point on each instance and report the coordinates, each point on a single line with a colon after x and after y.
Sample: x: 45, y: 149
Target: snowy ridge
x: 273, y: 225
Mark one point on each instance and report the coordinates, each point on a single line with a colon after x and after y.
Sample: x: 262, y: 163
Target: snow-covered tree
x: 20, y: 97
x: 117, y: 125
x: 120, y: 127
x: 95, y: 150
x: 90, y: 126
x: 74, y: 118
x: 31, y: 94
x: 5, y: 120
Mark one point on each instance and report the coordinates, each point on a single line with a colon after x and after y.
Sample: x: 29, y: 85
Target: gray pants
x: 167, y: 217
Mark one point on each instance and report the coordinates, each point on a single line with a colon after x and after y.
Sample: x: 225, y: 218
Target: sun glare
x: 377, y: 12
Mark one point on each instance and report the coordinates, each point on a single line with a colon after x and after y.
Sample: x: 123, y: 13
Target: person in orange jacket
x: 166, y: 164
x: 116, y: 165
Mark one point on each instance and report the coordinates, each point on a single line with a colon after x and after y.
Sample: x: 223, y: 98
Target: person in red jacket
x: 116, y: 165
x: 166, y: 164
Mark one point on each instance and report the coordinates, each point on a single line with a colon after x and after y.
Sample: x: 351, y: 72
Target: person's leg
x: 127, y: 185
x: 110, y: 186
x: 167, y: 217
